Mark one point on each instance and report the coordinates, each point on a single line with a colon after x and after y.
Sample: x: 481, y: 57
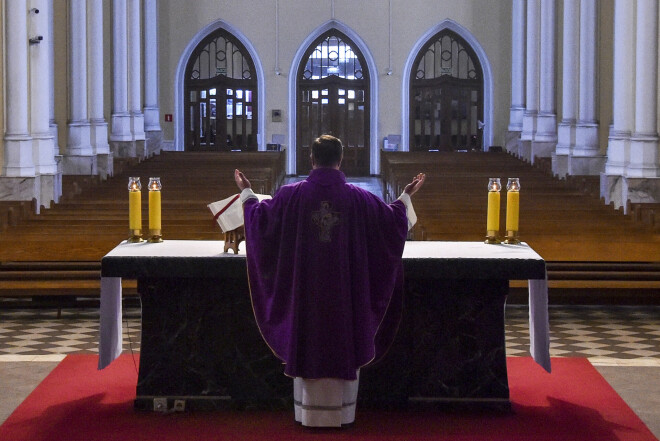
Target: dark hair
x: 327, y: 151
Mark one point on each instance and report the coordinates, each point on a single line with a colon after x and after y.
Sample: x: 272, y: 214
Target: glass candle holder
x: 512, y: 211
x: 134, y: 210
x: 493, y: 216
x: 155, y: 231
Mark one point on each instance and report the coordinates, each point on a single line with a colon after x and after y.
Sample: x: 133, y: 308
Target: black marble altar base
x: 450, y: 348
x: 200, y: 343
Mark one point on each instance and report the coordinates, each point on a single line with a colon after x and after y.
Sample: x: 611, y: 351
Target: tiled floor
x: 619, y: 335
x: 598, y: 332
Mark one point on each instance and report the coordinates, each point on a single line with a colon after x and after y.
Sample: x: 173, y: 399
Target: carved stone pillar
x: 152, y: 127
x: 618, y: 149
x: 570, y: 53
x: 99, y: 126
x: 586, y: 158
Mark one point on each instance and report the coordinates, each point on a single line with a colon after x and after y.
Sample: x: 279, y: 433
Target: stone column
x: 99, y: 126
x: 42, y: 139
x: 618, y: 149
x: 545, y: 138
x: 18, y: 160
x: 79, y: 158
x: 644, y: 141
x: 566, y: 129
x: 642, y: 183
x: 586, y: 158
x: 517, y: 66
x: 121, y: 139
x: 46, y: 172
x: 531, y: 79
x: 135, y: 76
x: 151, y: 111
x: 51, y: 79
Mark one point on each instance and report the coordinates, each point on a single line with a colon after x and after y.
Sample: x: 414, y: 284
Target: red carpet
x: 77, y: 402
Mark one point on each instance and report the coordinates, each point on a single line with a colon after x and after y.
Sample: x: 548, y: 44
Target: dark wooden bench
x: 590, y: 247
x: 57, y: 253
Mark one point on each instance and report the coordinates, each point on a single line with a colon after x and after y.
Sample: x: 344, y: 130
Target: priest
x: 326, y: 280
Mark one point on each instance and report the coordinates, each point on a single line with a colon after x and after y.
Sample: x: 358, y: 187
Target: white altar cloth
x: 110, y: 335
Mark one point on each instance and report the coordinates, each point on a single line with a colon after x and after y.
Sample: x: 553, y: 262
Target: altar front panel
x: 200, y: 341
x: 450, y: 347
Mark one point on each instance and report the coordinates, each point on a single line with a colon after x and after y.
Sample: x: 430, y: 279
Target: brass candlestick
x: 511, y: 238
x: 135, y: 236
x: 155, y: 236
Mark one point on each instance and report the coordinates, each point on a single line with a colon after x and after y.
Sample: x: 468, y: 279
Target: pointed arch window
x: 333, y: 97
x: 446, y: 96
x: 333, y: 56
x: 221, y: 96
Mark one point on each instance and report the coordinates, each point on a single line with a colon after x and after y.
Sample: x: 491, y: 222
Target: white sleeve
x: 410, y: 211
x: 246, y: 194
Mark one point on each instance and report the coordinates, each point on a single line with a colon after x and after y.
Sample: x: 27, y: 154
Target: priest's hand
x: 241, y: 180
x: 415, y: 185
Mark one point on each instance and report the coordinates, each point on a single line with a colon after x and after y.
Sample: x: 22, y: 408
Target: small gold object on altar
x: 493, y: 217
x: 512, y: 211
x: 134, y: 210
x: 234, y: 238
x: 155, y: 231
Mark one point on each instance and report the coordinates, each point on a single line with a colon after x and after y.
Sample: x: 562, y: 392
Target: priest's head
x: 327, y: 151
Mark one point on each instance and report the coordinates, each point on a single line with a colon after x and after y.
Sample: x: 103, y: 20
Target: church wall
x: 368, y: 19
x: 2, y: 85
x: 411, y: 20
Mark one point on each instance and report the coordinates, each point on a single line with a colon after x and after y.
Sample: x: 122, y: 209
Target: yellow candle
x: 134, y: 210
x: 512, y: 210
x: 154, y: 210
x: 493, y: 220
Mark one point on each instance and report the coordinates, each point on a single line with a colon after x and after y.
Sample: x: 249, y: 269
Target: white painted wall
x: 488, y: 22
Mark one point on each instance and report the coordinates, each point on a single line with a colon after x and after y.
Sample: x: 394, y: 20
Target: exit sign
x: 168, y: 117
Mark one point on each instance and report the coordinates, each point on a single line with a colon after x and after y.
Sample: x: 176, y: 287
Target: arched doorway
x: 446, y: 96
x: 220, y: 96
x: 333, y: 97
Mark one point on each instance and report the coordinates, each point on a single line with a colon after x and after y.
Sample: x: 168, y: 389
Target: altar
x: 201, y: 346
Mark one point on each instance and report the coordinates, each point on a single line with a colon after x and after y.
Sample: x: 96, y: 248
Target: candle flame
x: 154, y: 184
x: 134, y: 184
x: 494, y: 184
x: 513, y: 184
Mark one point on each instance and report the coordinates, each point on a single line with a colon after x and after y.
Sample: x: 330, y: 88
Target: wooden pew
x: 561, y: 219
x: 58, y: 252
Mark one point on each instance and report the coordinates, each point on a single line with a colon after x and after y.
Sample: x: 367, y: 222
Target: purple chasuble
x: 326, y: 275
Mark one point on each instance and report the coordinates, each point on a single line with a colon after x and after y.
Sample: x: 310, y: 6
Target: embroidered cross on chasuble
x: 325, y: 219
